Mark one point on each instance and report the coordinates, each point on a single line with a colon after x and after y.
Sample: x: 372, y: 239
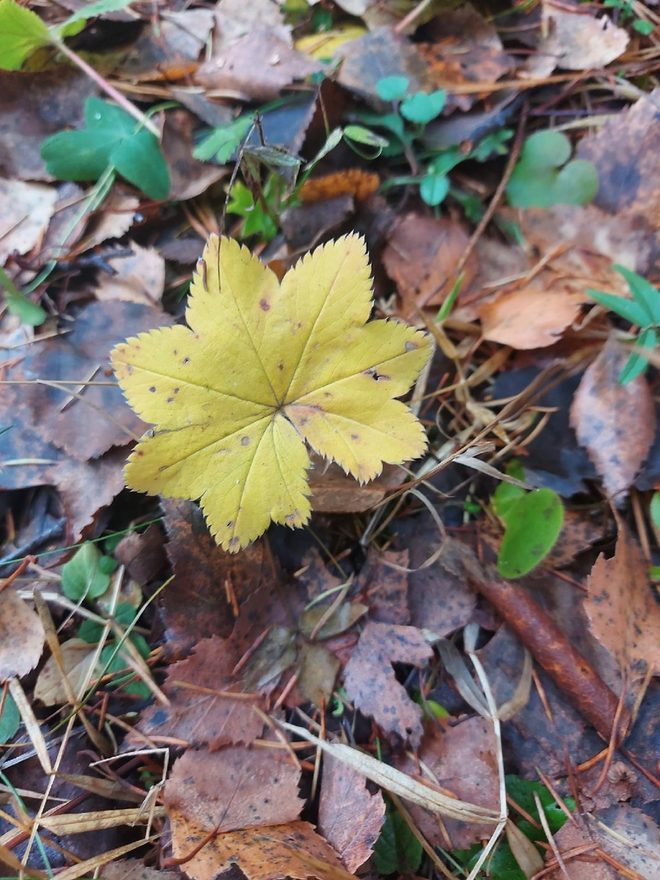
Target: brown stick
x: 570, y: 671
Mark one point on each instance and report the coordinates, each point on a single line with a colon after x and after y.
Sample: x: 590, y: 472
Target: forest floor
x: 446, y: 667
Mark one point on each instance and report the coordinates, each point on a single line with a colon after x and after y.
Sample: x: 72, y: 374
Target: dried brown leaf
x: 290, y: 850
x: 628, y: 163
x: 349, y: 817
x: 462, y: 761
x: 370, y: 681
x: 21, y: 636
x: 202, y: 710
x: 614, y: 422
x: 420, y: 257
x: 25, y: 211
x: 233, y: 789
x: 139, y: 277
x: 622, y: 609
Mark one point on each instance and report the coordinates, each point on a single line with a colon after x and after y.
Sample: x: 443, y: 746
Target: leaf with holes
x: 262, y: 368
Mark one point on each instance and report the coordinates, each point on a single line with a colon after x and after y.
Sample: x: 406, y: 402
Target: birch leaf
x: 262, y: 369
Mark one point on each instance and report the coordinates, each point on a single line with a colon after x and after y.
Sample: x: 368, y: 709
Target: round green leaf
x: 140, y: 160
x: 576, y: 183
x: 77, y: 155
x: 391, y: 88
x: 434, y: 188
x: 422, y: 108
x: 546, y: 149
x: 533, y: 524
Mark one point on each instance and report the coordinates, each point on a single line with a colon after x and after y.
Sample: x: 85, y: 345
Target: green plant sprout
x: 642, y: 311
x: 532, y: 523
x: 405, y: 126
x: 543, y: 175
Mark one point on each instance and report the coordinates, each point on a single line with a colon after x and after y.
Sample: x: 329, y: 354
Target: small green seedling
x: 111, y: 660
x: 397, y: 850
x: 257, y: 220
x: 544, y: 176
x: 532, y: 523
x: 19, y: 305
x: 113, y: 139
x: 643, y: 311
x: 87, y: 574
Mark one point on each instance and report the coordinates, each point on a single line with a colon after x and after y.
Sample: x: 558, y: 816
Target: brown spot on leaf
x: 245, y: 441
x: 153, y: 389
x: 264, y: 305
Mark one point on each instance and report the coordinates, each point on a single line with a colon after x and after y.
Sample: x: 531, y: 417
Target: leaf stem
x: 110, y: 90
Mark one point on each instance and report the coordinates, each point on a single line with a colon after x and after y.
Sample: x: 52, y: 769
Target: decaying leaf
x: 461, y: 760
x: 233, y: 788
x: 261, y: 369
x: 203, y: 710
x: 601, y: 411
x: 25, y: 209
x: 21, y: 636
x: 627, y: 835
x: 78, y: 659
x: 622, y: 610
x: 291, y: 850
x: 349, y: 817
x: 575, y: 40
x: 370, y: 681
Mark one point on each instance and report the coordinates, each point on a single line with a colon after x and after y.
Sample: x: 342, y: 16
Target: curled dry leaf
x: 370, y: 681
x: 291, y: 850
x: 462, y: 761
x: 262, y: 368
x: 230, y: 790
x: 21, y: 636
x: 614, y: 422
x: 623, y: 612
x: 349, y: 817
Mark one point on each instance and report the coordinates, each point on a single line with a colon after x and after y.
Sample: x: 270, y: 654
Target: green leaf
x: 532, y: 526
x: 494, y: 144
x: 539, y: 180
x: 643, y: 293
x: 434, y: 188
x: 626, y: 308
x: 655, y: 510
x: 638, y: 361
x: 506, y: 493
x: 77, y: 155
x: 392, y: 88
x: 10, y: 719
x: 112, y: 138
x: 82, y: 577
x: 397, y: 850
x: 223, y: 143
x: 361, y: 135
x: 18, y: 304
x: 21, y: 33
x: 422, y: 107
x: 91, y: 631
x: 645, y: 28
x: 139, y: 159
x: 90, y: 10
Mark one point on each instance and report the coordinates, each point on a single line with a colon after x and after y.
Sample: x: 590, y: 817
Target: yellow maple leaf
x: 261, y: 368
